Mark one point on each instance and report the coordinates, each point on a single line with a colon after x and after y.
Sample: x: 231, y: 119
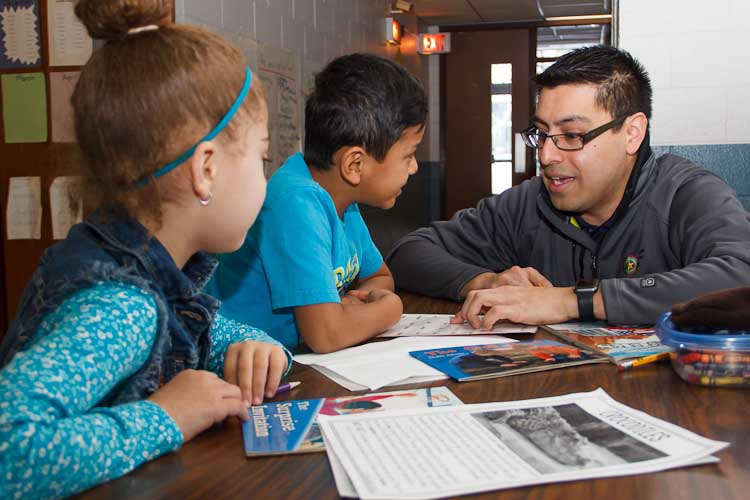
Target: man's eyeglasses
x: 569, y: 141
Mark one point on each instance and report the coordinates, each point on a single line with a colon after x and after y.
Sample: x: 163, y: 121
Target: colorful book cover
x: 479, y: 362
x: 617, y: 342
x: 291, y: 426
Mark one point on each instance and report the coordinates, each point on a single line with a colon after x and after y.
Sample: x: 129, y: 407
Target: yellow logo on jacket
x: 343, y: 277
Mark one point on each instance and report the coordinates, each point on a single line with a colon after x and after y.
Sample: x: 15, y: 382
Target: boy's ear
x: 203, y: 169
x: 351, y: 162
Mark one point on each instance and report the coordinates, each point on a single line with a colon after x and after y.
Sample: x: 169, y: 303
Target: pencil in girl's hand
x: 286, y: 387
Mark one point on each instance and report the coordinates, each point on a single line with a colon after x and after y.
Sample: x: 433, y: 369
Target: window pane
x: 554, y: 41
x: 502, y: 176
x: 541, y: 66
x: 501, y: 101
x: 502, y: 123
x: 502, y: 73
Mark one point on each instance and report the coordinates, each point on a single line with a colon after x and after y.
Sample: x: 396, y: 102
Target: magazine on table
x: 291, y: 427
x: 483, y: 361
x: 439, y: 325
x: 451, y: 451
x: 617, y: 342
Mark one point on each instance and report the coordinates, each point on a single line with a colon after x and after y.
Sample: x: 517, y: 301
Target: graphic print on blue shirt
x: 344, y: 277
x: 299, y: 252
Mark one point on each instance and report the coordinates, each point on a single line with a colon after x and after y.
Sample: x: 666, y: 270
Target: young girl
x: 113, y: 357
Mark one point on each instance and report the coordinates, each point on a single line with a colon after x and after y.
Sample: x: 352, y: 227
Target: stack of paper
x: 379, y: 364
x: 451, y: 451
x: 435, y: 325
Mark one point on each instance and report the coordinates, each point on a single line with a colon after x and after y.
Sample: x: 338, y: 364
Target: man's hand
x: 256, y: 367
x: 515, y: 276
x: 519, y: 304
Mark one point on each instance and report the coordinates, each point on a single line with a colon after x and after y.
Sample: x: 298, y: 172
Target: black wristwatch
x: 585, y: 290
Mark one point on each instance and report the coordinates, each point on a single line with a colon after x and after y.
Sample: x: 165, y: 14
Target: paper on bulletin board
x: 69, y: 42
x: 20, y: 34
x: 24, y: 107
x: 249, y: 48
x: 61, y: 86
x: 24, y: 211
x: 278, y: 69
x: 63, y: 212
x: 310, y: 70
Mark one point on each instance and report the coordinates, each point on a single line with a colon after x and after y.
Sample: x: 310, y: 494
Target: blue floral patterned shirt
x: 54, y: 440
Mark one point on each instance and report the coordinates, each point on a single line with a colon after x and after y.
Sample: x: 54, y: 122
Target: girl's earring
x: 205, y: 202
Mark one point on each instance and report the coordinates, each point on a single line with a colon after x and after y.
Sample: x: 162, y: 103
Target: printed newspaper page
x: 440, y: 452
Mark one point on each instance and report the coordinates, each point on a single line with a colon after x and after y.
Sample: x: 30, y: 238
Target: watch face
x: 587, y: 285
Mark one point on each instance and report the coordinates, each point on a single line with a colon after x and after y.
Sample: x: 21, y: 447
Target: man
x: 608, y: 231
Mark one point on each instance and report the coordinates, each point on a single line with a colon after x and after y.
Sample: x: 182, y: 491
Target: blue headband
x: 216, y: 131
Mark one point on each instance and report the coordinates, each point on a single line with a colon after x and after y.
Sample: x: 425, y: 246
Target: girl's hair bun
x: 112, y: 19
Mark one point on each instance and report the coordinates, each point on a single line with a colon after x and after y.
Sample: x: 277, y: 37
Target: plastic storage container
x: 716, y: 359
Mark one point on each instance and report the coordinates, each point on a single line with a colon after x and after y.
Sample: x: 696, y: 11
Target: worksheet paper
x: 380, y: 364
x: 441, y: 452
x: 24, y: 211
x: 62, y: 212
x: 69, y: 42
x: 436, y: 325
x: 61, y: 86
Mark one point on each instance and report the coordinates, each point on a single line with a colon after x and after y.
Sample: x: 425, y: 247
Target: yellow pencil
x: 626, y: 365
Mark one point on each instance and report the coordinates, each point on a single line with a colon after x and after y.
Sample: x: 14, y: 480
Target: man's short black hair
x: 361, y: 100
x: 624, y: 86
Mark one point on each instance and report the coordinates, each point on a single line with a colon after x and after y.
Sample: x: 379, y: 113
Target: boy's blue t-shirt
x: 298, y: 252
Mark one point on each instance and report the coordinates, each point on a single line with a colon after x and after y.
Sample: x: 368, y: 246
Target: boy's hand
x: 380, y: 293
x: 256, y: 367
x: 198, y: 399
x: 354, y: 297
x: 362, y: 297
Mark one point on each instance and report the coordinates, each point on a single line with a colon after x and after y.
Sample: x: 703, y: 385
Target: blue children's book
x: 291, y: 427
x: 478, y: 362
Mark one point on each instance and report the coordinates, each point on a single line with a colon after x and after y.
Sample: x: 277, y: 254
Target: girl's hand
x: 198, y: 399
x: 256, y: 367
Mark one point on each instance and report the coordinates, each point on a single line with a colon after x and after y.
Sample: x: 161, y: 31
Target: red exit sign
x: 434, y: 43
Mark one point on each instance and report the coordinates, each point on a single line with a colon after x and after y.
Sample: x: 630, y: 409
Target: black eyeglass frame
x: 585, y: 138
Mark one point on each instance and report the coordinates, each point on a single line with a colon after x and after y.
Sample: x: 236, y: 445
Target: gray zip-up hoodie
x: 679, y: 232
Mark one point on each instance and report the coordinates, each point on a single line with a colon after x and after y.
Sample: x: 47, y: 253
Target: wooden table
x: 214, y: 465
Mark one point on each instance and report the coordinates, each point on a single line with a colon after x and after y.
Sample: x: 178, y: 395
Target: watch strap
x: 585, y: 305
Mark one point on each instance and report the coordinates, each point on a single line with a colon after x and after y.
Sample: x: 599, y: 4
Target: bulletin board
x: 26, y: 153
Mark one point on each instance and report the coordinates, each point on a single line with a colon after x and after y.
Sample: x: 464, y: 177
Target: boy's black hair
x: 360, y: 100
x: 624, y: 85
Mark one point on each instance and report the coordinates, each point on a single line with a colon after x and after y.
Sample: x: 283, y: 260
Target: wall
x: 318, y: 31
x: 695, y: 52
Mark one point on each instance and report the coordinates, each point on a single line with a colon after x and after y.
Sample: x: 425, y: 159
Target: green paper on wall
x: 24, y: 107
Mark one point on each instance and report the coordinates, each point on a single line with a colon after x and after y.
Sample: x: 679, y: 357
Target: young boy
x: 309, y: 271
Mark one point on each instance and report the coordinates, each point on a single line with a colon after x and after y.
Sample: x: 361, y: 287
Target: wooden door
x: 467, y: 120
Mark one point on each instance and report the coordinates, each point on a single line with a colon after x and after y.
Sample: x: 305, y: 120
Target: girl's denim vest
x: 118, y: 249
